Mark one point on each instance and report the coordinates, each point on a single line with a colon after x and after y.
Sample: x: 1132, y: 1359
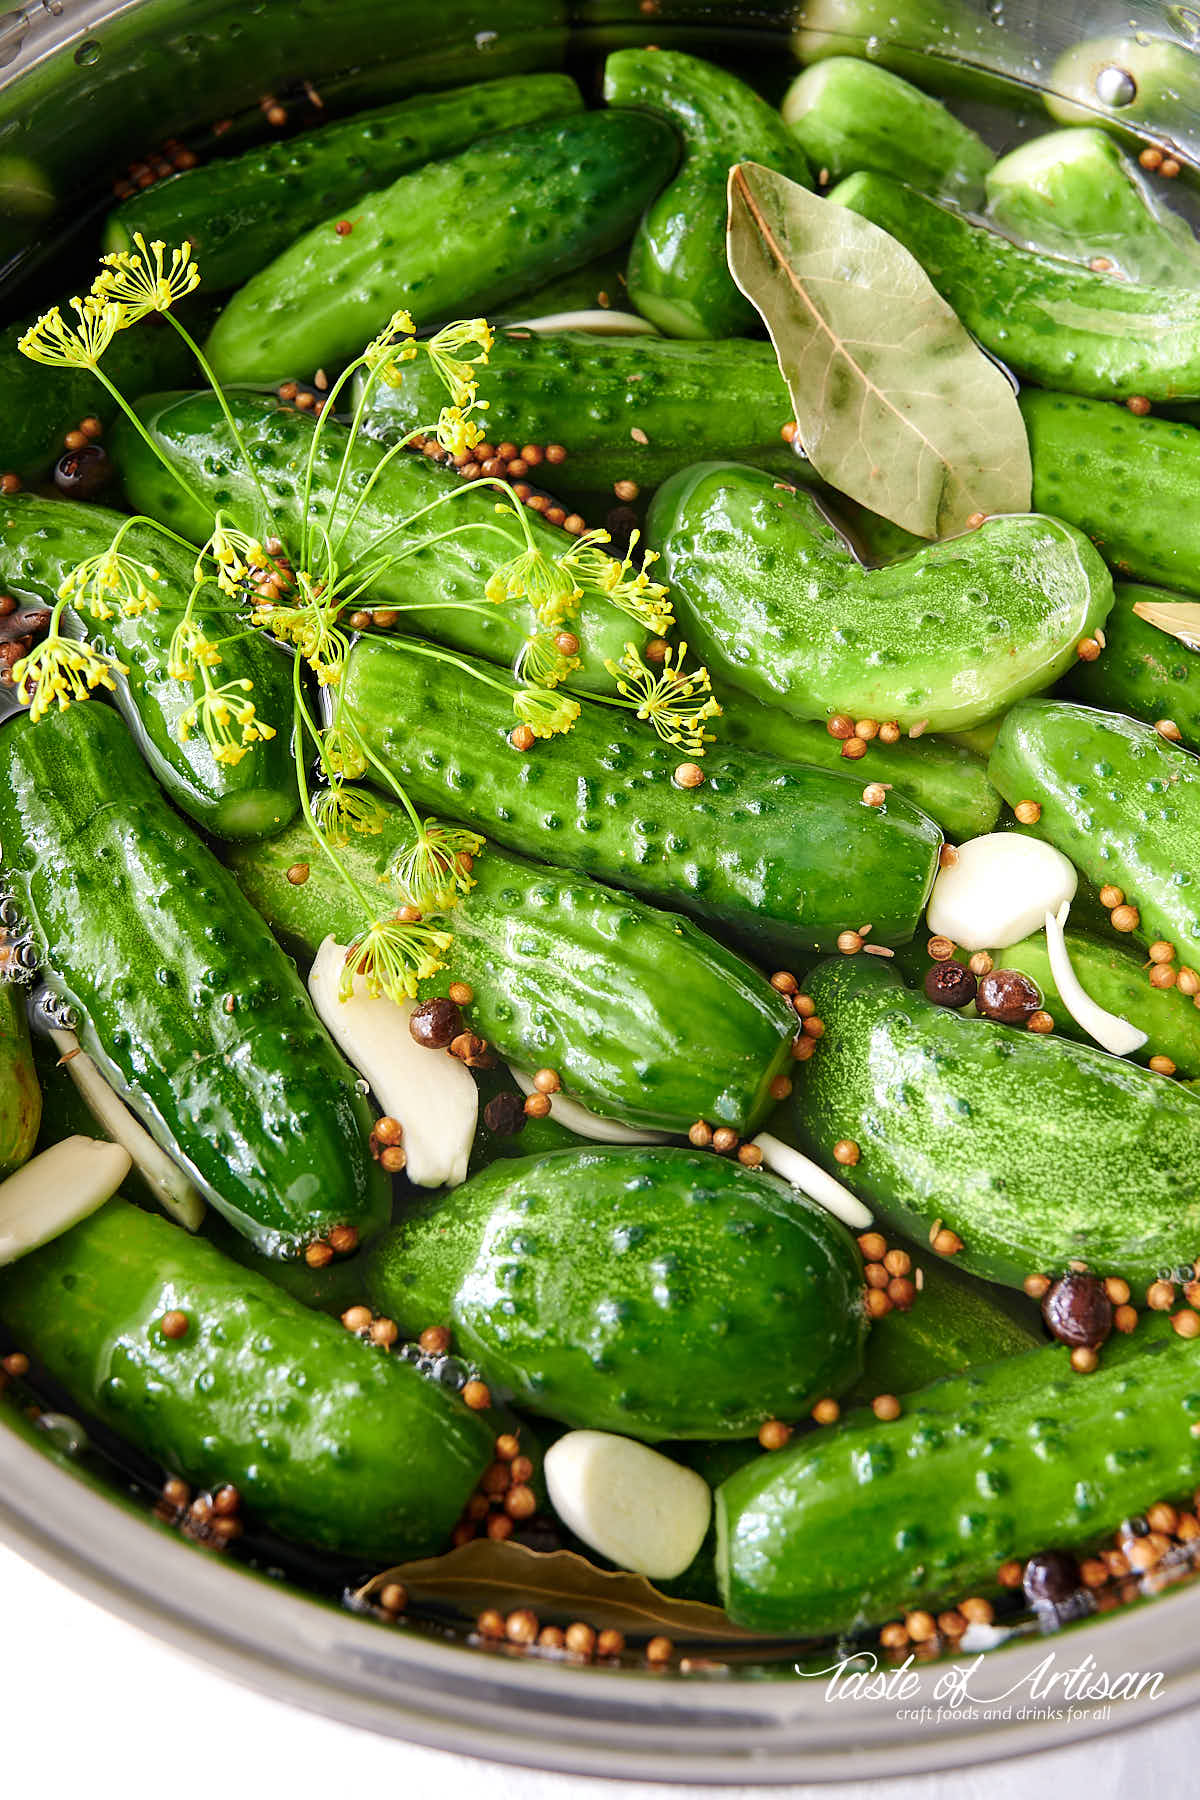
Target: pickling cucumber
x: 859, y: 1523
x: 1140, y: 83
x: 240, y: 211
x: 1064, y: 326
x: 447, y: 241
x: 1075, y: 194
x: 1120, y: 801
x: 677, y: 274
x: 328, y: 1440
x: 684, y: 398
x: 183, y: 996
x: 781, y: 856
x: 954, y: 1323
x: 443, y: 583
x: 947, y: 46
x: 659, y: 1293
x: 20, y: 1091
x: 1034, y: 1150
x: 599, y: 284
x: 850, y: 114
x: 769, y: 593
x: 644, y: 1018
x: 1142, y: 671
x: 1129, y: 482
x: 42, y: 541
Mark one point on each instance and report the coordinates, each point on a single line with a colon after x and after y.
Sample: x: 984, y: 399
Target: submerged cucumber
x: 328, y: 1440
x: 20, y: 1090
x: 954, y: 1323
x: 781, y: 856
x: 1142, y: 671
x: 657, y: 1292
x: 1002, y: 1463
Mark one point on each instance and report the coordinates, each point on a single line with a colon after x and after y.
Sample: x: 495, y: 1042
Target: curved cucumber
x: 768, y: 591
x: 677, y: 273
x: 947, y: 46
x: 599, y: 284
x: 1117, y: 799
x: 1034, y: 1150
x: 450, y: 240
x: 850, y: 114
x: 998, y: 1464
x: 645, y: 1019
x: 327, y: 1439
x: 1163, y: 88
x: 1075, y: 194
x: 1059, y: 324
x: 20, y: 1090
x: 426, y: 586
x: 781, y: 856
x: 1143, y: 671
x: 955, y: 1323
x: 185, y: 999
x: 685, y: 398
x: 240, y: 211
x: 1129, y: 482
x: 661, y: 1293
x: 41, y: 542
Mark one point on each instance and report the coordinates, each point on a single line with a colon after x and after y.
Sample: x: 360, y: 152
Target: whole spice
x: 950, y: 984
x: 1078, y: 1311
x: 1008, y: 997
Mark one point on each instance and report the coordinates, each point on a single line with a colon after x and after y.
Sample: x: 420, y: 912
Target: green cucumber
x: 848, y: 114
x: 1060, y: 325
x: 20, y: 1090
x: 241, y: 211
x: 656, y: 1292
x: 1034, y: 1150
x: 1075, y: 194
x: 328, y: 1440
x: 1120, y: 801
x: 863, y: 1522
x: 447, y: 241
x: 955, y: 1323
x: 645, y: 1018
x: 590, y: 394
x: 537, y: 1137
x: 42, y: 541
x: 947, y: 46
x: 1160, y: 90
x: 598, y: 285
x: 677, y: 276
x: 1129, y: 482
x: 781, y: 856
x: 183, y: 996
x: 427, y: 585
x: 944, y: 780
x: 769, y: 593
x: 1143, y: 671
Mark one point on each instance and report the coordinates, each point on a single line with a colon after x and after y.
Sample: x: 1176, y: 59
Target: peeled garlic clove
x: 572, y: 1115
x: 801, y: 1172
x: 430, y: 1092
x: 1110, y: 1031
x: 998, y: 890
x: 55, y: 1190
x: 600, y: 321
x: 628, y: 1502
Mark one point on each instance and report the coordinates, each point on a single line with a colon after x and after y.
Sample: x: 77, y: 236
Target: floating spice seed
x: 689, y: 775
x: 1040, y: 1022
x: 773, y: 1434
x: 1078, y: 1311
x: 477, y: 1395
x: 841, y: 725
x: 659, y: 1651
x: 1124, y: 918
x: 343, y: 1239
x: 886, y: 1407
x: 1162, y: 1065
x: 950, y: 984
x: 298, y: 874
x: 1027, y: 812
x: 854, y: 749
x: 1084, y: 1361
x: 1087, y: 649
x: 1007, y: 996
x: 1036, y: 1286
x: 780, y: 1088
x: 750, y: 1156
x: 537, y: 1106
x: 434, y: 1024
x: 357, y: 1318
x: 849, y: 942
x: 393, y: 1597
x: 873, y: 1246
x: 383, y: 1332
x: 393, y: 1159
x: 1051, y: 1578
x: 946, y: 1242
x: 318, y: 1254
x: 1186, y: 1324
x: 889, y: 732
x: 435, y: 1340
x: 505, y: 1114
x: 846, y: 1152
x: 724, y: 1140
x: 173, y: 1324
x: 1160, y: 1296
x: 826, y: 1412
x: 893, y: 1637
x: 940, y: 948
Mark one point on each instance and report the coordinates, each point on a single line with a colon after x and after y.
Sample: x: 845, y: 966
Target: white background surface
x: 92, y: 1707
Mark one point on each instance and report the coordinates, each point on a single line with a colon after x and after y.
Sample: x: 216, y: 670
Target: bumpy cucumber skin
x: 656, y: 1292
x: 20, y: 1091
x: 241, y: 211
x: 1143, y: 671
x: 855, y: 1525
x: 1057, y: 323
x: 41, y: 541
x: 448, y: 241
x: 598, y: 285
x: 677, y: 274
x: 327, y: 1439
x: 944, y: 780
x: 1035, y: 1150
x: 850, y: 114
x: 181, y: 992
x: 1120, y: 801
x: 1130, y: 483
x: 688, y: 398
x: 769, y: 594
x: 190, y: 432
x: 778, y: 855
x: 955, y: 1323
x: 644, y: 1017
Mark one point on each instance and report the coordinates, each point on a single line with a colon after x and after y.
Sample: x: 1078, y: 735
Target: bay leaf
x: 896, y: 404
x: 1178, y: 618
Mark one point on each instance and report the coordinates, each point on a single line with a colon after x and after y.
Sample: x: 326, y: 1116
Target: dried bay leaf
x: 896, y: 404
x: 1179, y: 619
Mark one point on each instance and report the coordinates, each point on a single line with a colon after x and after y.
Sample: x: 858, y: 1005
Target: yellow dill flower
x: 217, y: 712
x: 542, y: 662
x: 629, y: 589
x: 338, y: 810
x: 675, y: 702
x: 312, y: 630
x: 140, y: 280
x: 190, y: 649
x: 456, y: 371
x: 455, y: 432
x: 392, y: 955
x: 546, y: 582
x: 50, y: 340
x: 546, y: 714
x: 235, y: 553
x: 58, y: 669
x: 111, y: 576
x: 343, y: 753
x: 432, y: 872
x: 391, y: 347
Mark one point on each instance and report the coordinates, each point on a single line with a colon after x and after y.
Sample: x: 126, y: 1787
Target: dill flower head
x: 392, y: 347
x: 547, y: 715
x: 543, y: 662
x: 674, y: 701
x: 59, y: 669
x: 111, y: 577
x: 457, y: 371
x: 548, y: 583
x: 623, y: 583
x: 343, y: 755
x: 392, y: 955
x: 235, y: 554
x: 190, y: 649
x: 338, y: 810
x: 222, y: 712
x: 434, y: 870
x: 142, y: 282
x: 312, y: 629
x: 50, y: 340
x: 455, y: 432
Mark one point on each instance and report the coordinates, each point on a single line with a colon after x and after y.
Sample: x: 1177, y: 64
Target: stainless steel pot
x: 84, y: 87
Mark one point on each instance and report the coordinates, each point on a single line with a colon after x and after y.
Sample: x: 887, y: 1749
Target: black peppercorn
x: 950, y: 984
x: 1008, y: 997
x: 1051, y: 1579
x: 435, y: 1024
x: 82, y: 473
x: 505, y: 1114
x: 1078, y: 1312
